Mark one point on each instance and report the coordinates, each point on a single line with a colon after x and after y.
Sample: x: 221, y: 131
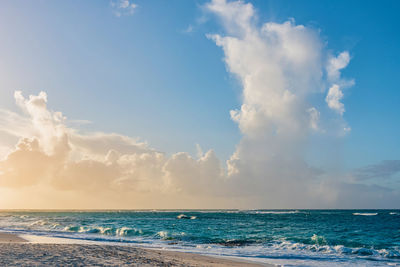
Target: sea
x: 286, y: 237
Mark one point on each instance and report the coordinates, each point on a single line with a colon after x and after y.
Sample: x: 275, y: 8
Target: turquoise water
x: 295, y: 237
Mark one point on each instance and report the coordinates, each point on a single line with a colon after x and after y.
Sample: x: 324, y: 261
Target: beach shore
x: 17, y: 251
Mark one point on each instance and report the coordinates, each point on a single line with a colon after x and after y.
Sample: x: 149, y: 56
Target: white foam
x: 163, y: 234
x: 55, y: 240
x: 319, y: 239
x: 182, y: 216
x: 124, y: 231
x: 365, y: 214
x: 39, y: 222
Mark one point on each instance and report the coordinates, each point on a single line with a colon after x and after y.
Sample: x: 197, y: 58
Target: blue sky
x: 154, y: 74
x: 113, y: 70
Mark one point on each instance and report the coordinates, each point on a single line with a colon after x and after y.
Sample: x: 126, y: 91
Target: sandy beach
x: 16, y: 251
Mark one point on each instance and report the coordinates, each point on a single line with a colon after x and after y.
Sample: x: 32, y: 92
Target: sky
x: 199, y: 104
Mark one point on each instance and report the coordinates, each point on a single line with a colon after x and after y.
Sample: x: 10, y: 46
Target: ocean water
x: 289, y: 237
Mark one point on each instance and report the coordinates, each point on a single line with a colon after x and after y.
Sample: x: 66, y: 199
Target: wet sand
x: 15, y: 251
x: 10, y: 238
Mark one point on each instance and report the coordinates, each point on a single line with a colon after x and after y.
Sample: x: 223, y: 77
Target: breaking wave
x: 338, y: 249
x: 123, y: 231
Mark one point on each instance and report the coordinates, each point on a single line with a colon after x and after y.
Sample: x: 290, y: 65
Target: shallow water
x: 290, y: 237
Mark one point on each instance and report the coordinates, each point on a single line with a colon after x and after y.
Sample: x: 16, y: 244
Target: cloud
x: 280, y: 66
x: 123, y: 7
x: 336, y: 64
x: 314, y: 118
x: 50, y: 154
x: 189, y: 29
x: 382, y: 170
x: 34, y: 164
x: 333, y: 99
x: 335, y: 93
x: 63, y: 159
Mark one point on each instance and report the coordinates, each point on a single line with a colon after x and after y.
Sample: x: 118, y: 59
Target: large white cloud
x: 280, y: 66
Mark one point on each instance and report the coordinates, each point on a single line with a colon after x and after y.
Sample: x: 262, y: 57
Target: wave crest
x: 123, y: 231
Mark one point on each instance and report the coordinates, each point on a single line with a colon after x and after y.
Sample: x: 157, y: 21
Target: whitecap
x: 365, y: 214
x: 318, y: 239
x: 162, y: 234
x: 342, y: 249
x: 126, y: 231
x: 72, y: 228
x: 39, y: 222
x: 183, y: 216
x: 106, y: 230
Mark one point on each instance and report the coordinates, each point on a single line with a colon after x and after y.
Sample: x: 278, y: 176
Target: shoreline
x: 33, y: 250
